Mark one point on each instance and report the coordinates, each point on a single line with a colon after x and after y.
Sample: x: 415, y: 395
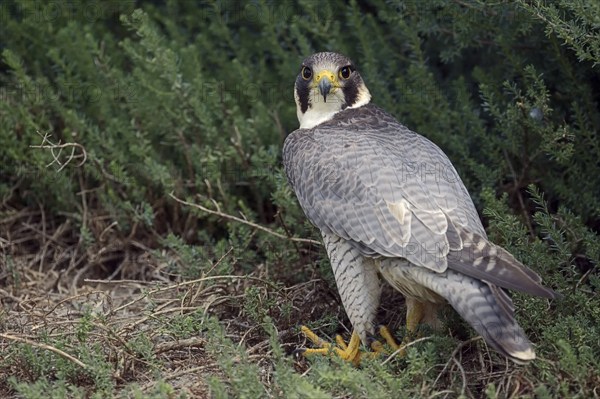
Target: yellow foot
x: 398, y: 349
x: 391, y: 341
x: 351, y: 351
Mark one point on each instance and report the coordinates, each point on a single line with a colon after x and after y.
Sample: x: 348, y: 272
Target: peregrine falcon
x: 389, y: 203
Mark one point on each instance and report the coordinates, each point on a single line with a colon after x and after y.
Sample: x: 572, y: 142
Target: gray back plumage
x: 393, y: 193
x: 350, y: 173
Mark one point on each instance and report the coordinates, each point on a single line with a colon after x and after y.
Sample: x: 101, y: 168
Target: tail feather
x: 490, y: 311
x: 506, y: 304
x: 485, y: 261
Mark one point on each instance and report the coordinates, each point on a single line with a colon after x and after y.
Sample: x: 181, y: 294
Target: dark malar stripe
x: 303, y: 90
x: 350, y: 93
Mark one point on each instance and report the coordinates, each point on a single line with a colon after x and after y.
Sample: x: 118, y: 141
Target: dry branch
x: 47, y: 144
x: 46, y: 347
x: 243, y: 221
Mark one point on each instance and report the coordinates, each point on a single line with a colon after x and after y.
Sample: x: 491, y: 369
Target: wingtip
x: 549, y: 293
x: 522, y: 357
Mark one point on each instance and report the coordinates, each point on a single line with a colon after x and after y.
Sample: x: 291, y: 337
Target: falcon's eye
x: 306, y: 73
x: 346, y: 71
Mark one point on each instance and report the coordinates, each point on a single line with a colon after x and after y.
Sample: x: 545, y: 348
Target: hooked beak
x: 325, y: 87
x: 325, y: 81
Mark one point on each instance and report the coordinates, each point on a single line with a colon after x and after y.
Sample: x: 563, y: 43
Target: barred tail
x: 489, y: 310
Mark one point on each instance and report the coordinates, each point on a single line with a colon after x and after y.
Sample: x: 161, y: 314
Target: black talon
x: 298, y: 352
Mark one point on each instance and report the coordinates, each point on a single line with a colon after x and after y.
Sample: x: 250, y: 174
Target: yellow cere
x: 328, y: 74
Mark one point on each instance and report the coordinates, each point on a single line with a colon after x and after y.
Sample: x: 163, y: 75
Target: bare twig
x: 456, y: 350
x: 71, y: 298
x: 403, y: 347
x: 46, y: 143
x: 182, y: 284
x: 192, y: 370
x: 463, y: 376
x: 180, y: 343
x: 46, y: 347
x: 243, y: 221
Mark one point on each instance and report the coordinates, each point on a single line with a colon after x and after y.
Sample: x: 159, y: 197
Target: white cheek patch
x: 363, y: 98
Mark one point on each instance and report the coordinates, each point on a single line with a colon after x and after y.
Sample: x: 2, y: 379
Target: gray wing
x: 393, y: 193
x: 389, y: 190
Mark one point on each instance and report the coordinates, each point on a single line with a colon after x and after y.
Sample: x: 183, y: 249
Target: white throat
x: 313, y: 117
x: 320, y: 111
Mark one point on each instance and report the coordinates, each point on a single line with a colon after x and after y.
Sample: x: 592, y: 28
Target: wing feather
x: 391, y: 192
x: 373, y: 187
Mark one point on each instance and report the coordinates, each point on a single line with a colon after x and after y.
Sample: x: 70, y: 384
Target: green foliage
x: 43, y: 388
x: 106, y: 110
x: 161, y: 390
x: 241, y: 374
x: 255, y: 305
x: 49, y: 371
x: 574, y: 22
x: 185, y: 325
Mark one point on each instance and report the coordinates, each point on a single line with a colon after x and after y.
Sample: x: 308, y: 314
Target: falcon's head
x: 327, y: 83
